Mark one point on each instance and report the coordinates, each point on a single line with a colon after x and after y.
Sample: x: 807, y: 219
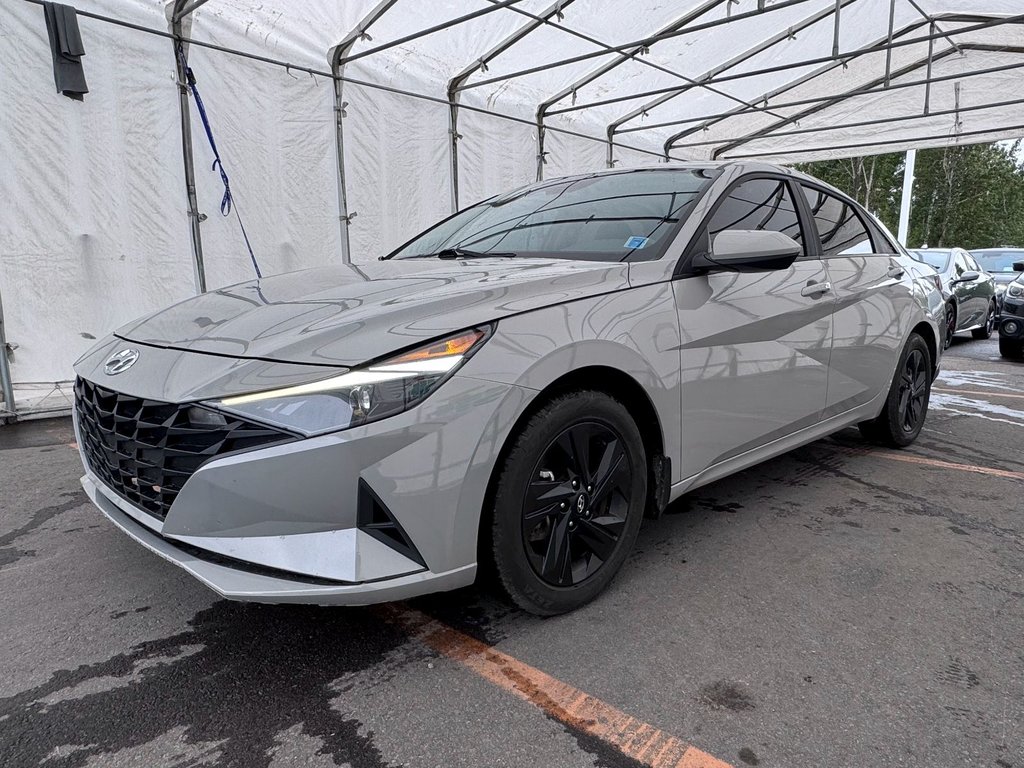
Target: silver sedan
x: 510, y: 392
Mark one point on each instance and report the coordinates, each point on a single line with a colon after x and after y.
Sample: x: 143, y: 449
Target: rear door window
x: 840, y: 228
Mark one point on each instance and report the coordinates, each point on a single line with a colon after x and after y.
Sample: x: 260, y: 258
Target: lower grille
x: 1010, y: 308
x: 145, y: 450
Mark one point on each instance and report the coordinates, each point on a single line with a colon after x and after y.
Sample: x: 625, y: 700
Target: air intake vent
x: 373, y: 517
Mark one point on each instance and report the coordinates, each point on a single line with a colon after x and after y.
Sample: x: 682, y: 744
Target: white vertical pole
x: 908, y: 188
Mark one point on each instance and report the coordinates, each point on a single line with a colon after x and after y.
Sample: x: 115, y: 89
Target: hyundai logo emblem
x: 119, y: 362
x: 581, y: 503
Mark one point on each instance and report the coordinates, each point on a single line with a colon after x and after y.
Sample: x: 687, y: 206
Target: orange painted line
x: 910, y: 458
x: 976, y: 392
x: 570, y: 706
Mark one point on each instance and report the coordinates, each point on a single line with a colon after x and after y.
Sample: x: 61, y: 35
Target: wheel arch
x: 601, y: 378
x: 925, y: 331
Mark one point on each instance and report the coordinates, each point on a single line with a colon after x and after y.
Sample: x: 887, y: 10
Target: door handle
x: 895, y: 271
x: 816, y: 289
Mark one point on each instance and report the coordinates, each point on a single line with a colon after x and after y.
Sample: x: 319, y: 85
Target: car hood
x: 1005, y: 278
x: 345, y: 315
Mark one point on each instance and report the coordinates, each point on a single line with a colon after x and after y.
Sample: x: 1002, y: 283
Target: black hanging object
x: 67, y: 49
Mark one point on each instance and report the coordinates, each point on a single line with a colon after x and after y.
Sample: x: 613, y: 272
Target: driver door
x: 755, y: 342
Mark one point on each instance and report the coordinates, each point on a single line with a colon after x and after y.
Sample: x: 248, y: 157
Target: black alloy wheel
x: 906, y: 402
x: 575, y: 508
x: 985, y: 332
x: 567, y: 503
x: 913, y: 391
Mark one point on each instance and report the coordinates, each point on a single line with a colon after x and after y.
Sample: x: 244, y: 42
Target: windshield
x: 999, y: 261
x: 937, y: 259
x: 627, y: 216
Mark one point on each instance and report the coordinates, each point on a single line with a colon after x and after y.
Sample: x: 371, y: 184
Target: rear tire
x: 554, y: 544
x: 1011, y: 349
x: 985, y: 332
x: 950, y: 325
x: 906, y: 405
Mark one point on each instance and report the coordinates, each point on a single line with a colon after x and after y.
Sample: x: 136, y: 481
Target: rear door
x: 755, y: 343
x: 982, y: 289
x: 964, y: 292
x: 873, y: 299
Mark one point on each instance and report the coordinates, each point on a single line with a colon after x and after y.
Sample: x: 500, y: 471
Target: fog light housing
x: 1011, y: 327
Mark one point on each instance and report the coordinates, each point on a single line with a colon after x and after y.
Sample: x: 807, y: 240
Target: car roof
x: 682, y: 165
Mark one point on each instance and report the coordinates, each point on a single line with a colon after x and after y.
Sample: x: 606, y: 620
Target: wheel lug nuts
x: 590, y: 488
x: 563, y: 505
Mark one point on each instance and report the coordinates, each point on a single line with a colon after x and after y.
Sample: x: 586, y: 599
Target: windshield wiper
x: 465, y: 253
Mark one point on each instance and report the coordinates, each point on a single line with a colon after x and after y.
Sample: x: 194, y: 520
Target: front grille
x: 145, y: 450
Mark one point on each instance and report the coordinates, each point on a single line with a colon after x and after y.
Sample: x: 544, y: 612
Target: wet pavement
x: 841, y: 605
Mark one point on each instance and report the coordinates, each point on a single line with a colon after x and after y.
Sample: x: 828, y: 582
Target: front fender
x: 635, y: 331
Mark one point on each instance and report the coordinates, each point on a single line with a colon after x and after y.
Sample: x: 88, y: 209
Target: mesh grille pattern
x: 145, y: 450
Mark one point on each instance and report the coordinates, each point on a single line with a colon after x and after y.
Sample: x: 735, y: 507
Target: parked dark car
x: 972, y: 291
x: 1011, y: 322
x: 999, y: 262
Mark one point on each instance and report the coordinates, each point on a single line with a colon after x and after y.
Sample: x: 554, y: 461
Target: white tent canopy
x: 348, y: 125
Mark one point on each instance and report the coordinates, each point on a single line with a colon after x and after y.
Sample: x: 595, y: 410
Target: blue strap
x: 227, y: 202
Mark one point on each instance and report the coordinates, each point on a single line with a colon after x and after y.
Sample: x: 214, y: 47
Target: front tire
x: 985, y: 332
x: 1011, y: 349
x: 568, y: 503
x: 906, y: 405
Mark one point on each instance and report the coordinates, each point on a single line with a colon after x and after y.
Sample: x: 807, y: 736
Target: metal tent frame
x: 608, y: 58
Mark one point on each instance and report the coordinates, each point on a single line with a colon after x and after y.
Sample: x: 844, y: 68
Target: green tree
x: 970, y: 196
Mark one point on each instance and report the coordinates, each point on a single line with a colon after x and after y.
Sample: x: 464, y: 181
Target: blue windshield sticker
x: 636, y: 242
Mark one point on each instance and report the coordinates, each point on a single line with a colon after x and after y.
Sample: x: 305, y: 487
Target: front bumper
x: 238, y: 583
x: 283, y: 523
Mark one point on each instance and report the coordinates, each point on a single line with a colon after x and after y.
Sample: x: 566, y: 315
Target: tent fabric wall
x: 94, y: 226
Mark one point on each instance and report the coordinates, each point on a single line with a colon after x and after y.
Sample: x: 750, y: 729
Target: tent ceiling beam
x: 863, y: 123
x: 643, y: 43
x: 181, y: 10
x: 621, y: 58
x: 821, y: 102
x: 872, y: 87
x: 710, y: 74
x: 830, y: 65
x: 928, y: 17
x: 879, y: 47
x: 497, y: 6
x: 1007, y: 131
x: 455, y: 84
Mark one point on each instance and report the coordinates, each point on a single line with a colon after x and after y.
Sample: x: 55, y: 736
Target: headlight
x: 1017, y: 291
x: 362, y: 395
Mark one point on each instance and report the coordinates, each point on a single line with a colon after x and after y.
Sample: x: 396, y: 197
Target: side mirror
x: 762, y: 249
x: 1018, y: 266
x: 968, y: 277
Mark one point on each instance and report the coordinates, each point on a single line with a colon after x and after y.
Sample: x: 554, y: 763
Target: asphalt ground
x: 841, y: 605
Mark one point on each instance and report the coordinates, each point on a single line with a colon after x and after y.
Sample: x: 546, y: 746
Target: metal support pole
x: 610, y: 159
x: 541, y: 154
x: 905, y: 198
x: 6, y: 383
x: 194, y: 217
x: 344, y: 217
x: 888, y: 46
x: 453, y: 135
x: 338, y: 57
x: 835, y: 34
x: 928, y: 74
